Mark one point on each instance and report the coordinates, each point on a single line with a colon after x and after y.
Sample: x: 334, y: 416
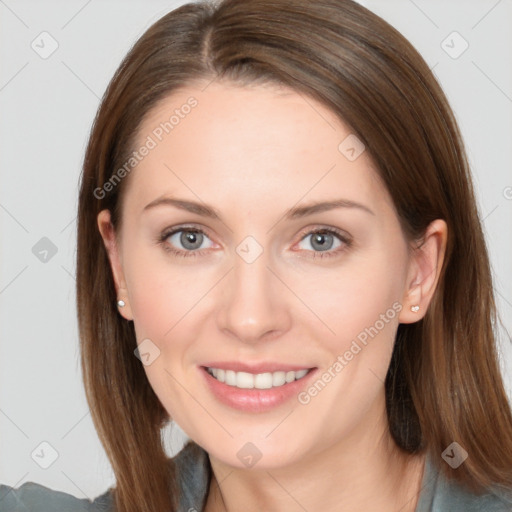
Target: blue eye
x: 191, y: 239
x: 324, y: 239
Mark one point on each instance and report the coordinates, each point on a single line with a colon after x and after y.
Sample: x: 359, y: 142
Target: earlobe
x: 425, y: 271
x: 108, y: 235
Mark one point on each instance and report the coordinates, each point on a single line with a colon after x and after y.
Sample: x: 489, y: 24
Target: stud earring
x: 121, y: 303
x: 415, y: 309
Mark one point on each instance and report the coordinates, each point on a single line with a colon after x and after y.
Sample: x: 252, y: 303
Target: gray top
x: 193, y: 469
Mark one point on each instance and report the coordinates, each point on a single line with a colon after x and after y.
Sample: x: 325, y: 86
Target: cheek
x: 359, y: 306
x: 162, y: 299
x: 170, y: 306
x: 160, y: 292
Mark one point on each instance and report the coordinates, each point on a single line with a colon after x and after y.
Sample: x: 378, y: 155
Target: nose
x: 254, y: 303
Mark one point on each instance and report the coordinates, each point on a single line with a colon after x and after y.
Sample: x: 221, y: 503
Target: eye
x: 190, y: 239
x: 324, y: 240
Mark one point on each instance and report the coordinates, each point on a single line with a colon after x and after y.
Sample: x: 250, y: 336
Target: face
x: 242, y: 271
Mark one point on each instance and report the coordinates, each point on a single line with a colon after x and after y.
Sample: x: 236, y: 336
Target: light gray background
x: 47, y: 107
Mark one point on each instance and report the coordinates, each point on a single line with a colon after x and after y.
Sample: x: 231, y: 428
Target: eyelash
x: 316, y: 254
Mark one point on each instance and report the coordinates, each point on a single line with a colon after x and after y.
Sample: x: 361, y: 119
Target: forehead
x: 240, y: 144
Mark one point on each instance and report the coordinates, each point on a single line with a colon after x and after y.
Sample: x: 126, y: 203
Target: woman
x: 279, y: 250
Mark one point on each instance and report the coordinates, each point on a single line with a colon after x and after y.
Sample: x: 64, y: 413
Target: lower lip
x: 255, y: 400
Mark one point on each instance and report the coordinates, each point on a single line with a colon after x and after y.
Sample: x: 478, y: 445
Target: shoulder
x: 33, y: 497
x: 438, y: 494
x: 455, y: 498
x: 193, y: 475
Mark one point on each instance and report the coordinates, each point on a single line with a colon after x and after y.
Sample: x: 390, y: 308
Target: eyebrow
x: 293, y: 213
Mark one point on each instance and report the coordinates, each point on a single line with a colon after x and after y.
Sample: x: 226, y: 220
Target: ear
x: 108, y: 235
x: 424, y: 270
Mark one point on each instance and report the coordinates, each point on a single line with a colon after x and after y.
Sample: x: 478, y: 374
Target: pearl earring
x: 121, y: 303
x: 415, y: 309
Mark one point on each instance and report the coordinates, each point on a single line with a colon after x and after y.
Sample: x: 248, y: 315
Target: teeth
x: 246, y: 380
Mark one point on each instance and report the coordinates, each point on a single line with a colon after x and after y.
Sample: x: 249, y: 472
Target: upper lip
x: 255, y: 368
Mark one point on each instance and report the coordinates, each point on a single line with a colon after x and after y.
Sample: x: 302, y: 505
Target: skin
x: 253, y: 152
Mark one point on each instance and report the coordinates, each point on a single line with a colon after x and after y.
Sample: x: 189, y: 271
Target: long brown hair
x: 444, y: 382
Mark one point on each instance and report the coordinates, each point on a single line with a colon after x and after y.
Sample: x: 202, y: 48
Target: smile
x: 267, y: 380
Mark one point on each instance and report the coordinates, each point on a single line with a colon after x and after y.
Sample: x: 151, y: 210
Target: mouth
x: 264, y: 380
x: 255, y: 388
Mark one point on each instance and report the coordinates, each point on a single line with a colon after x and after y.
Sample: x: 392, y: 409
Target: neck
x: 365, y: 472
